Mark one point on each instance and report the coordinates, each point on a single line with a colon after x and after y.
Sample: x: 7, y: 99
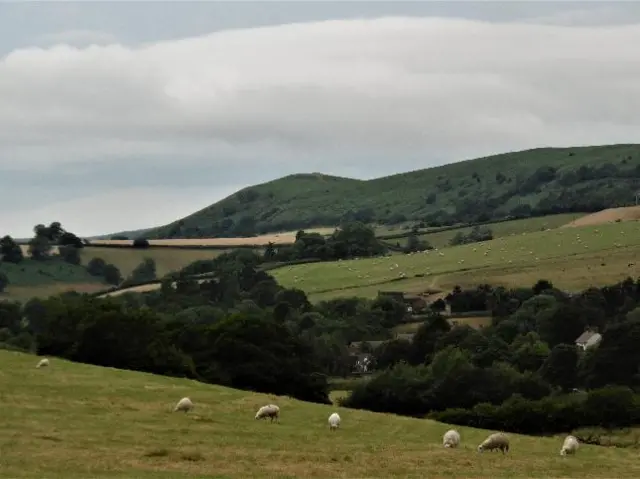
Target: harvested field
x: 275, y: 238
x: 611, y: 215
x: 76, y: 421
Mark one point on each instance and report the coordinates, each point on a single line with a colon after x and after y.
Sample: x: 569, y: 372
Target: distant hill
x: 526, y: 183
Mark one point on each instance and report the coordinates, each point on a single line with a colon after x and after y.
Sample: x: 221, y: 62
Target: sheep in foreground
x: 497, y: 440
x: 334, y: 421
x: 451, y: 438
x: 184, y: 404
x: 271, y: 411
x: 569, y: 446
x: 43, y: 363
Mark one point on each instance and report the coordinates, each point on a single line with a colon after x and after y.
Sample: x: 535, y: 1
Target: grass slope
x: 441, y: 239
x: 43, y: 278
x: 572, y: 258
x: 74, y: 421
x: 306, y: 200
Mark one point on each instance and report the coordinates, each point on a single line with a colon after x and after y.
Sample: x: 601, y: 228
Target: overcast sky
x: 124, y: 115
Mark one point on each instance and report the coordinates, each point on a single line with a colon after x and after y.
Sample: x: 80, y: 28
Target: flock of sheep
x: 451, y: 438
x: 500, y: 441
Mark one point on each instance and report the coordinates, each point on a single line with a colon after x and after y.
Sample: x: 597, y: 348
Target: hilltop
x: 88, y: 421
x: 533, y: 182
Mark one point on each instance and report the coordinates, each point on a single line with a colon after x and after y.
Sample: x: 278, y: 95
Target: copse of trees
x: 523, y: 365
x: 350, y: 240
x: 476, y: 235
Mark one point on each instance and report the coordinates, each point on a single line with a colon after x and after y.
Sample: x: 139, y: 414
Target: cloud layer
x: 335, y: 94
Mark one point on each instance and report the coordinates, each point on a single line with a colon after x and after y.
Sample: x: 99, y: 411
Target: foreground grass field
x: 572, y: 258
x: 78, y: 421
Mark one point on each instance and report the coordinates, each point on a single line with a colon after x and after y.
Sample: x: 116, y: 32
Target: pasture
x: 572, y: 258
x: 167, y: 259
x: 32, y: 278
x: 74, y: 421
x: 441, y: 239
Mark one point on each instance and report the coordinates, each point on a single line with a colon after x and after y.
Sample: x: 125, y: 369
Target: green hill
x: 74, y: 421
x: 532, y: 182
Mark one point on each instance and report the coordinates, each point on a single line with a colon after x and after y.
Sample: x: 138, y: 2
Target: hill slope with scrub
x: 533, y: 182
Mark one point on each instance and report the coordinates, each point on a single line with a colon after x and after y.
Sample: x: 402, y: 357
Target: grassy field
x: 167, y: 259
x: 572, y: 258
x: 475, y: 322
x: 43, y: 278
x: 506, y: 228
x: 75, y: 421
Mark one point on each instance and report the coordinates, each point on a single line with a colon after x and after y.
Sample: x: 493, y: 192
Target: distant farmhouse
x: 588, y: 339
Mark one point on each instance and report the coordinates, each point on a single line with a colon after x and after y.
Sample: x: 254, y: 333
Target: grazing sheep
x: 184, y: 404
x: 271, y: 411
x: 42, y: 363
x: 497, y: 440
x: 570, y: 445
x: 334, y: 421
x: 451, y: 438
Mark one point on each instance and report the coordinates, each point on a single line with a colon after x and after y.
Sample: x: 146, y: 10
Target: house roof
x: 584, y: 337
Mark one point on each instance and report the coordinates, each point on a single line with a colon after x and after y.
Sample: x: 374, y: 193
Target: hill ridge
x: 531, y: 182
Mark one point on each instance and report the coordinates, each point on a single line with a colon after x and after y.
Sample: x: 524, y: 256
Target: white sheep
x: 184, y: 404
x: 42, y: 363
x: 271, y: 411
x: 451, y: 438
x: 569, y: 446
x: 497, y: 440
x: 334, y: 421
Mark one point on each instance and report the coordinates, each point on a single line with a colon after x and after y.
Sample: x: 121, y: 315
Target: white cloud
x: 391, y: 88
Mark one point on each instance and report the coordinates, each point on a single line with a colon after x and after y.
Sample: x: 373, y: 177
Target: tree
x: 10, y: 251
x: 70, y: 254
x: 561, y: 366
x: 145, y: 271
x: 4, y: 281
x: 96, y: 266
x: 140, y: 243
x: 112, y: 274
x: 270, y: 251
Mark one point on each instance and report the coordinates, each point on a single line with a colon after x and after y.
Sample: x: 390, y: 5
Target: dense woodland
x: 243, y: 330
x: 530, y: 183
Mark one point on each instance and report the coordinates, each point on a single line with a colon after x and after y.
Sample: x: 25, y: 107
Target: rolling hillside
x: 72, y: 421
x: 539, y: 181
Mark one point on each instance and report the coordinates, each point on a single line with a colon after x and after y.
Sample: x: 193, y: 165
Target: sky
x: 125, y: 115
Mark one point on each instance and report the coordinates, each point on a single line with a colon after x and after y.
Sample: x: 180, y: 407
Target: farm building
x: 415, y: 303
x: 588, y: 339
